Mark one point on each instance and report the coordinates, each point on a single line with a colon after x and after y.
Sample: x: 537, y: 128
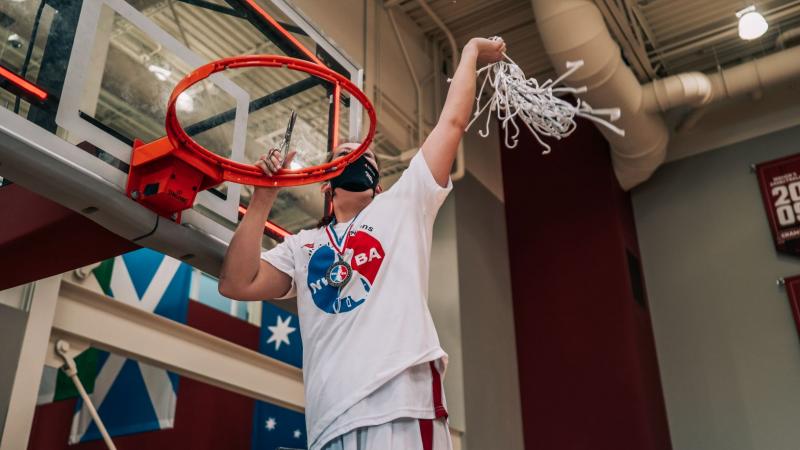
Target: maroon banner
x: 793, y: 291
x: 780, y: 190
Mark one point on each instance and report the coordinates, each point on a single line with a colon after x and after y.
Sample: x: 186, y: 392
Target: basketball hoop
x: 167, y: 174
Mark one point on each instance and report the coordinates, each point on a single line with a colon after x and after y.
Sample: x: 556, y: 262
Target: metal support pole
x: 42, y: 298
x: 71, y: 369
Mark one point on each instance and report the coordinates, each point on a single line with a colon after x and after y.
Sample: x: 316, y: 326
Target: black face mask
x: 358, y: 176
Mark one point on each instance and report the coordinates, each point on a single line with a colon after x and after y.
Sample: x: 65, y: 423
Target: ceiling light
x: 294, y: 165
x: 160, y: 72
x: 15, y: 40
x: 185, y: 102
x: 752, y: 24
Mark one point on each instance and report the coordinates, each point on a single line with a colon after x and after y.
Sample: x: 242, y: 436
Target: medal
x: 339, y: 273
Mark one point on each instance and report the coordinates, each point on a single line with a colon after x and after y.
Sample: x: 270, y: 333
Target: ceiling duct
x: 574, y: 30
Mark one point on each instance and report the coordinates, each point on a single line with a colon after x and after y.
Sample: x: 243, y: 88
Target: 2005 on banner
x: 780, y: 190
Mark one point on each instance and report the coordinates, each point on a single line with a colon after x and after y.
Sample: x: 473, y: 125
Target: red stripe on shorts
x: 426, y: 431
x: 438, y: 406
x: 426, y: 425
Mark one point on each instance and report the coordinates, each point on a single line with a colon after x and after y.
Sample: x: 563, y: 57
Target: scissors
x: 287, y: 137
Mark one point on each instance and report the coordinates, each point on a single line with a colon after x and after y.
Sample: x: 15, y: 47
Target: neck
x: 347, y: 204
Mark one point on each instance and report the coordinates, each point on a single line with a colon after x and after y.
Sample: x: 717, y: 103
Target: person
x: 372, y: 363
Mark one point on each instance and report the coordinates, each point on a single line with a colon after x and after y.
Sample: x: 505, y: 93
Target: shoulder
x: 308, y: 234
x: 294, y: 241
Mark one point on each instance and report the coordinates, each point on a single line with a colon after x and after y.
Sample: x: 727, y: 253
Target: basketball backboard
x: 107, y: 68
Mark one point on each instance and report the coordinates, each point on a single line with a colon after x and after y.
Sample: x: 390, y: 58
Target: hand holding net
x: 517, y: 98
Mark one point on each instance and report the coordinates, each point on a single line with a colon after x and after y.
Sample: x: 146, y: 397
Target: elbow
x: 225, y: 289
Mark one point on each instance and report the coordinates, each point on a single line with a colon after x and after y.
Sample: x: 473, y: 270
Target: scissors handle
x: 287, y: 137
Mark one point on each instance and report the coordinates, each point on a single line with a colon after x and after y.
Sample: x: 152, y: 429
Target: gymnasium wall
x: 727, y: 345
x: 491, y: 384
x: 444, y: 303
x: 12, y: 328
x: 588, y: 372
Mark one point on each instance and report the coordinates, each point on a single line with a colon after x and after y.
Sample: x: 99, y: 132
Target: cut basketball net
x: 537, y: 106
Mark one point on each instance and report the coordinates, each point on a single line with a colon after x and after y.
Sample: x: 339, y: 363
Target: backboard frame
x: 43, y: 162
x: 69, y: 115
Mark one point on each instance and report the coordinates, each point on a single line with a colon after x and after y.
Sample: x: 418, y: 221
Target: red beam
x: 270, y: 229
x: 277, y: 26
x: 21, y: 83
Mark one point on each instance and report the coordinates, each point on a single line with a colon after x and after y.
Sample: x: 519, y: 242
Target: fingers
x: 261, y: 165
x: 289, y: 158
x: 500, y: 45
x: 489, y: 50
x: 270, y: 162
x: 275, y: 161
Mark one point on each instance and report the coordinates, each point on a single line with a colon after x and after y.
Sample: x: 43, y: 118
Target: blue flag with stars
x: 274, y: 426
x: 280, y: 335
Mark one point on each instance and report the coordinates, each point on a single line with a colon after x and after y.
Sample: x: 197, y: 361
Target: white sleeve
x: 417, y: 182
x: 282, y: 258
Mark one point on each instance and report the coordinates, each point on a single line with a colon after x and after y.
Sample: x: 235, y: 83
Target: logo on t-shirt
x: 364, y: 254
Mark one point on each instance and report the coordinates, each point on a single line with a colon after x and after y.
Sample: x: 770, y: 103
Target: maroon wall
x: 206, y: 417
x: 588, y: 371
x: 40, y: 238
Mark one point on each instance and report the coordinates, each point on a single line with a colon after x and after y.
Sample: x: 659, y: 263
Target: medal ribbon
x: 334, y: 239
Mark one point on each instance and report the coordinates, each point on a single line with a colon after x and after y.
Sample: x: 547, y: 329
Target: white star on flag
x: 297, y: 434
x: 280, y: 332
x: 271, y: 423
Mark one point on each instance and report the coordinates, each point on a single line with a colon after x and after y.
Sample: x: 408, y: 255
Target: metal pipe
x: 410, y: 66
x: 448, y: 34
x: 454, y: 55
x: 437, y: 77
x: 756, y: 74
x: 696, y: 89
x: 787, y: 36
x: 71, y: 370
x: 688, y: 88
x: 574, y: 30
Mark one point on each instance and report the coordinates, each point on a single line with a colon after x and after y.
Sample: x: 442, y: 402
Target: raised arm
x: 441, y: 145
x: 244, y: 275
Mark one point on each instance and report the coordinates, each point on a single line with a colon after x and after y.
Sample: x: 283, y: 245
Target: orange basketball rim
x: 166, y: 174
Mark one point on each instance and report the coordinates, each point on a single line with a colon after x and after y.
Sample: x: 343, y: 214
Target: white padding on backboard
x: 78, y: 73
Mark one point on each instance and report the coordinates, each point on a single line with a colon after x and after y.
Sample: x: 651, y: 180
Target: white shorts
x: 400, y: 434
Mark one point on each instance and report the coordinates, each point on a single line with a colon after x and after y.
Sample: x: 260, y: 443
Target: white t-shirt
x: 409, y: 394
x: 360, y: 336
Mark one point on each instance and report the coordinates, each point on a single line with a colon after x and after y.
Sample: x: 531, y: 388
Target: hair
x: 330, y: 216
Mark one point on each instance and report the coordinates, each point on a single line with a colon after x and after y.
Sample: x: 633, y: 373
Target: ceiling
x: 658, y: 37
x: 665, y: 36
